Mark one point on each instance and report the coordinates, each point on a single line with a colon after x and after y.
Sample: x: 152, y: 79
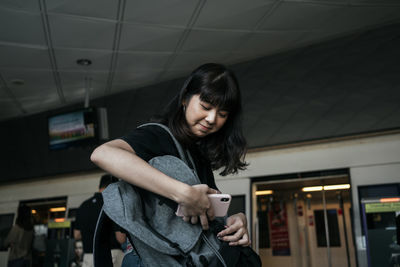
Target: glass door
x: 303, y: 223
x: 381, y: 223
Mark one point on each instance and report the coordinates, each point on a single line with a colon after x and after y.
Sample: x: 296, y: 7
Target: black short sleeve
x: 151, y: 141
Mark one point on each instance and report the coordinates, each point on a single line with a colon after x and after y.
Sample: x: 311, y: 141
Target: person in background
x: 78, y: 259
x: 131, y: 259
x: 85, y: 225
x: 20, y: 239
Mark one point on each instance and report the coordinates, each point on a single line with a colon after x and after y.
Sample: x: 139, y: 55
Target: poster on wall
x: 279, y: 229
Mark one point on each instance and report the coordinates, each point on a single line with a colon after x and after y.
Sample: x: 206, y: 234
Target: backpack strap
x: 101, y: 241
x: 187, y: 158
x: 183, y: 154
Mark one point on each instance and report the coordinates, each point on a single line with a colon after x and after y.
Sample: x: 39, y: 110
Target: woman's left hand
x: 236, y: 232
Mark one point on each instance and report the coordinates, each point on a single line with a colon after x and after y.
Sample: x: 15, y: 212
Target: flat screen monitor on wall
x: 75, y: 128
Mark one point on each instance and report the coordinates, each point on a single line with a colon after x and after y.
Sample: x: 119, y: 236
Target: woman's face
x: 78, y: 248
x: 203, y: 118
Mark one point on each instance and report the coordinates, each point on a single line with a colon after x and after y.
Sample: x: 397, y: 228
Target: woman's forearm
x: 126, y: 165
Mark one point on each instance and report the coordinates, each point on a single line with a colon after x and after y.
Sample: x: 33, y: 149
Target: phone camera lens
x: 224, y: 199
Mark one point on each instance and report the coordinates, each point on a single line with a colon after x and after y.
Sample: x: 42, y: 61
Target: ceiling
x: 134, y: 43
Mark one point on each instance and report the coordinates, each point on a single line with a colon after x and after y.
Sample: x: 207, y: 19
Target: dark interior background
x: 338, y: 88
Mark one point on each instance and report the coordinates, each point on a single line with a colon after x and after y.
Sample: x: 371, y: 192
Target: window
x: 333, y: 227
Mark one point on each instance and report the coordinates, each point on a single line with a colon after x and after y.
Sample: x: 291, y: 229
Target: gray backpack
x: 159, y: 236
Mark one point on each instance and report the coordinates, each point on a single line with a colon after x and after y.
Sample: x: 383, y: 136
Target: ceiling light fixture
x: 18, y: 82
x: 84, y: 62
x: 57, y: 209
x: 337, y: 187
x: 88, y: 80
x: 326, y: 187
x: 264, y: 192
x: 312, y: 188
x: 389, y: 199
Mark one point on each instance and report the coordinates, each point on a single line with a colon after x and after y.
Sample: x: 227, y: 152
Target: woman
x: 78, y: 259
x: 205, y: 118
x: 19, y: 239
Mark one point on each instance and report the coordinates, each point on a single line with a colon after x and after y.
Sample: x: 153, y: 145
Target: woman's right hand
x: 196, y: 205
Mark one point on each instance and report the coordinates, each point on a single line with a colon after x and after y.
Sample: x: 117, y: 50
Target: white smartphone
x: 219, y: 203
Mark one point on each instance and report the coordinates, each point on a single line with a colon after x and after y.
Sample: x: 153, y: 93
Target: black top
x: 86, y: 220
x: 152, y: 141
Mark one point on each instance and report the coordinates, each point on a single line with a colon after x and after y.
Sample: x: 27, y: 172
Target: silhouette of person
x: 85, y: 225
x: 19, y: 239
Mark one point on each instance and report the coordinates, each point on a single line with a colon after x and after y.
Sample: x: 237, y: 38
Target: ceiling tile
x: 27, y: 5
x: 189, y: 61
x: 217, y: 41
x: 75, y: 95
x: 266, y: 43
x: 357, y: 124
x: 74, y: 32
x: 300, y: 16
x: 170, y: 74
x: 390, y: 121
x: 88, y: 8
x: 36, y: 82
x: 14, y: 57
x: 376, y: 2
x: 149, y: 38
x: 356, y: 17
x: 74, y: 84
x: 21, y: 27
x: 66, y: 59
x: 238, y: 57
x: 141, y: 61
x: 171, y: 12
x: 321, y: 128
x: 34, y: 104
x: 232, y: 14
x: 38, y: 92
x: 132, y: 80
x: 8, y: 109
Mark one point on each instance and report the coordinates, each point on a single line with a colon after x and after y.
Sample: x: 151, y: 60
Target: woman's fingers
x: 210, y: 214
x: 236, y: 232
x: 213, y: 191
x: 194, y: 219
x: 241, y: 237
x: 198, y: 208
x: 244, y: 241
x: 204, y: 221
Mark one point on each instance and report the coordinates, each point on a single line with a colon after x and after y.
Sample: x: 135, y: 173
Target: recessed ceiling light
x: 84, y: 62
x: 17, y: 82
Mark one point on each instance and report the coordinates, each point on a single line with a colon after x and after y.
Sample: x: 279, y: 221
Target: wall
x: 281, y: 94
x: 77, y: 187
x: 374, y: 160
x: 25, y: 154
x: 370, y: 160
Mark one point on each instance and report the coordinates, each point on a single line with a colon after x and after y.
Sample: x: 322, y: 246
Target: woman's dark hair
x: 218, y: 86
x: 24, y: 218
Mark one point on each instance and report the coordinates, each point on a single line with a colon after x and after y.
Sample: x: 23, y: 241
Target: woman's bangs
x: 223, y: 98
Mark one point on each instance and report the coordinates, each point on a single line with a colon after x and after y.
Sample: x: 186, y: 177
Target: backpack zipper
x: 221, y: 259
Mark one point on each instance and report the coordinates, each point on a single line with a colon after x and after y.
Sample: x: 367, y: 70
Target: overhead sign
x: 65, y: 224
x: 382, y: 207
